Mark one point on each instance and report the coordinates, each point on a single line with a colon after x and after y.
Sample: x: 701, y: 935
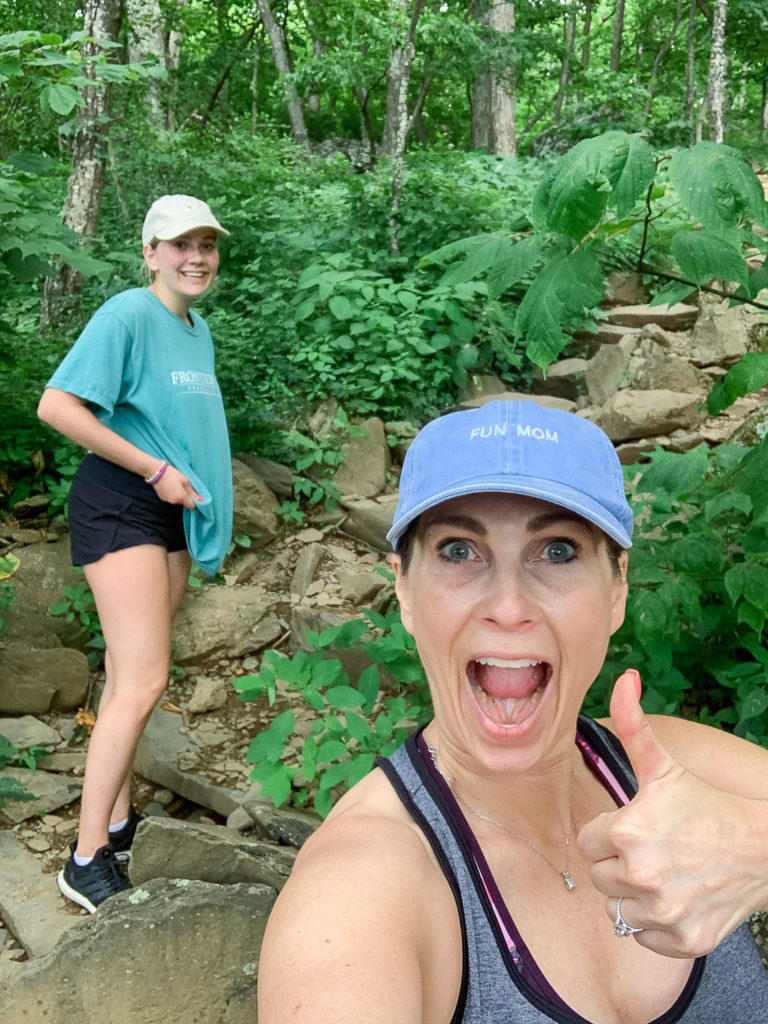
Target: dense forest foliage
x: 417, y: 191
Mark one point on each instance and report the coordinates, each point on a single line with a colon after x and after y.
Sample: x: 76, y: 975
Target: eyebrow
x: 547, y: 519
x: 462, y: 522
x: 534, y: 525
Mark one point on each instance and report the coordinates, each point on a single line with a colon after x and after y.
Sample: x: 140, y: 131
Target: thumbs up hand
x: 680, y: 853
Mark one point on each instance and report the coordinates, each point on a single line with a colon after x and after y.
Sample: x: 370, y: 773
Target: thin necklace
x: 568, y: 880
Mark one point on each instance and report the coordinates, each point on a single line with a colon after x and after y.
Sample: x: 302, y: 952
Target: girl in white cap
x: 138, y: 390
x: 516, y: 862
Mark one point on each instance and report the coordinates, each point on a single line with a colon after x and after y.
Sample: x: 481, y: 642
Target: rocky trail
x: 211, y: 854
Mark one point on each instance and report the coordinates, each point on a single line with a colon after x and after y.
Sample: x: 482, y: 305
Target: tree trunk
x: 397, y: 117
x: 585, y: 32
x: 398, y: 80
x: 366, y: 129
x: 690, y: 66
x: 764, y: 105
x: 314, y: 99
x: 280, y: 57
x: 585, y: 45
x: 255, y: 83
x: 493, y: 107
x: 565, y: 65
x: 717, y: 66
x: 618, y: 29
x: 172, y: 58
x: 85, y: 188
x: 145, y: 39
x: 661, y: 53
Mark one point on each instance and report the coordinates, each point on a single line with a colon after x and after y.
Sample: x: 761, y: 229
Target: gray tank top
x: 501, y: 983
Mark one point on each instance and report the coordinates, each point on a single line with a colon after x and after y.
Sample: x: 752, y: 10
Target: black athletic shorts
x: 111, y: 508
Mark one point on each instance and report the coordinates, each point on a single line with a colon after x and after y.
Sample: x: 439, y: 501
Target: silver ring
x: 620, y: 926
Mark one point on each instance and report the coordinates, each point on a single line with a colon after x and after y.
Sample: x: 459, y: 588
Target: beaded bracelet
x: 153, y: 479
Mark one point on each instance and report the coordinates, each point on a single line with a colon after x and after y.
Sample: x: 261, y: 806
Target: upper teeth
x: 508, y: 663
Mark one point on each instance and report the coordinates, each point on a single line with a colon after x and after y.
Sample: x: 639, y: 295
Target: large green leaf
x: 717, y: 185
x: 702, y: 256
x: 495, y: 248
x: 60, y: 98
x: 517, y: 261
x: 559, y: 296
x: 612, y: 169
x: 748, y: 375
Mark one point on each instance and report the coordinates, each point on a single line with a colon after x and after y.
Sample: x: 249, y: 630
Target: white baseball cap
x: 171, y: 216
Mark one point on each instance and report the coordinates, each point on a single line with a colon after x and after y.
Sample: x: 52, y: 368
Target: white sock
x: 82, y: 861
x: 120, y: 825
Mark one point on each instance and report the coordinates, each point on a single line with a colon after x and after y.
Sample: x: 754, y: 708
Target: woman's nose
x: 508, y: 600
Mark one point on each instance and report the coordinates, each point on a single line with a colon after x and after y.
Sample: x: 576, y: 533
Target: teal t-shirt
x: 150, y: 377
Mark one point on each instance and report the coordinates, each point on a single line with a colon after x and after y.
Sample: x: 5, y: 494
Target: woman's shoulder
x: 367, y: 899
x: 368, y: 839
x: 124, y: 306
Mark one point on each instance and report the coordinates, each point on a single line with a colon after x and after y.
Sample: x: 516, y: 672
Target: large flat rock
x: 31, y: 905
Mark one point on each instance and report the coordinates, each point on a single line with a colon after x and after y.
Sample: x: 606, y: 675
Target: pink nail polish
x: 637, y: 681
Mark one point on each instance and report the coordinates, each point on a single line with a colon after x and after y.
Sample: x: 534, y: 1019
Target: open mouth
x: 508, y: 691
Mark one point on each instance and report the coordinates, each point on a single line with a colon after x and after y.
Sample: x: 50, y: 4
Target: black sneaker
x: 93, y: 883
x: 122, y: 841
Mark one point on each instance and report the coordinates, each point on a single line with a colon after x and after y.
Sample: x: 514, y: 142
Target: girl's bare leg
x: 137, y: 592
x: 179, y: 564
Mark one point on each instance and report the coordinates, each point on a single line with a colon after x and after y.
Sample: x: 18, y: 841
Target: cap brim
x: 544, y: 490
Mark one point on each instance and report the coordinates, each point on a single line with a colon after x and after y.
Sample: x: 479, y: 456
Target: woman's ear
x: 150, y: 257
x: 619, y: 604
x: 401, y: 589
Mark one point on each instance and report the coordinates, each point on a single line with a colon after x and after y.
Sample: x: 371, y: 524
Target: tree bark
x: 764, y: 105
x: 660, y: 54
x: 618, y: 29
x: 494, y: 104
x: 172, y: 58
x: 145, y: 39
x: 398, y: 80
x: 255, y: 83
x: 569, y: 31
x: 314, y: 99
x: 397, y: 118
x: 585, y: 44
x: 690, y: 66
x: 717, y: 66
x: 585, y: 32
x: 85, y: 188
x: 280, y: 56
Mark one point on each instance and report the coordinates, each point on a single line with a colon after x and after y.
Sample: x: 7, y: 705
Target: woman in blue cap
x: 138, y: 390
x: 515, y: 861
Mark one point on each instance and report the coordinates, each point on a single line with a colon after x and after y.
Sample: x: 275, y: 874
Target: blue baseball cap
x: 515, y: 448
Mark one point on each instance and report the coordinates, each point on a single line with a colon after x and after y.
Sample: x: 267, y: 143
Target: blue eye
x: 456, y: 551
x: 559, y: 551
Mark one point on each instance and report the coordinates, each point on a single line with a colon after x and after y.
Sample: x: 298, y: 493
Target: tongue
x: 506, y: 683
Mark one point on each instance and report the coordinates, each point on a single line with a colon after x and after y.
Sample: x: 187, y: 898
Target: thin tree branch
x: 250, y: 33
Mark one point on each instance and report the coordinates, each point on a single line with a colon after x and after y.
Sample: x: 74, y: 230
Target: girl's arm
x: 70, y: 416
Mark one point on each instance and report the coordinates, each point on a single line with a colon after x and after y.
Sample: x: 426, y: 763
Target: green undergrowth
x: 695, y: 628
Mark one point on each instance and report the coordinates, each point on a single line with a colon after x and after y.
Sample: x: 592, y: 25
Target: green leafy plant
x: 685, y: 219
x: 315, y: 463
x: 78, y: 606
x: 8, y: 565
x: 351, y: 723
x: 11, y: 756
x: 698, y: 589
